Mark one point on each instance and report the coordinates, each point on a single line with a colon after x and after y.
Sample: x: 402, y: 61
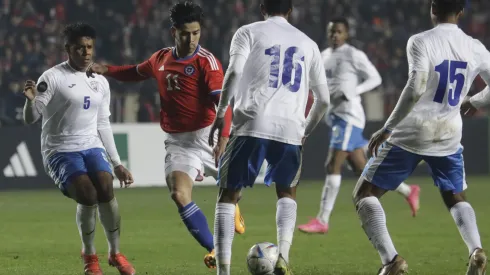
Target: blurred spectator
x: 130, y: 30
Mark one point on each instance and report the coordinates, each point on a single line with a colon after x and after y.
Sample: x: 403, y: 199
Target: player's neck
x: 75, y: 66
x: 338, y: 46
x: 182, y: 53
x: 449, y: 20
x: 276, y: 15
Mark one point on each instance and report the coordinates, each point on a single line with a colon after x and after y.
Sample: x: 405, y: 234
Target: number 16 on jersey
x: 290, y: 65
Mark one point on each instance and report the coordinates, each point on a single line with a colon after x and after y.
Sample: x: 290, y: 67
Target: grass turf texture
x: 39, y: 235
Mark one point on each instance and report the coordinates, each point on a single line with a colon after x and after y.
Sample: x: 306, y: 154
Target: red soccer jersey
x: 186, y: 87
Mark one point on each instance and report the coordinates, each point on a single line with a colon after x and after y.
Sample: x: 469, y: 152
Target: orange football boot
x: 239, y: 221
x: 120, y: 262
x: 210, y: 260
x: 91, y: 264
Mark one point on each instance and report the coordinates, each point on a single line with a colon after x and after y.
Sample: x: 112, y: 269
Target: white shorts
x: 190, y: 153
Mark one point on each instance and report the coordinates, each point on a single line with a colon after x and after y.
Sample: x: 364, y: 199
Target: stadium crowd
x: 130, y: 30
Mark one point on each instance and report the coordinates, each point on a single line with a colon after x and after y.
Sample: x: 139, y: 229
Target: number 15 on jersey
x: 290, y: 65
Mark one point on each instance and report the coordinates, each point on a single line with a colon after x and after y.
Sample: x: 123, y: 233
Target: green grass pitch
x: 39, y: 236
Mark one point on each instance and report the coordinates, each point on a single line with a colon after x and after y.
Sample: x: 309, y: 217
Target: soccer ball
x: 262, y: 258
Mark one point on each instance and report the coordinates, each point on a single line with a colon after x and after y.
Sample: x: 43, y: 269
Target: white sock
x: 111, y: 221
x: 285, y: 221
x: 404, y: 189
x: 224, y: 231
x: 329, y: 194
x: 373, y: 222
x: 464, y: 216
x: 86, y: 220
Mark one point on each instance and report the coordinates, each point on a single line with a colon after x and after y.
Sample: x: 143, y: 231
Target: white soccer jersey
x: 346, y: 67
x: 282, y: 64
x: 452, y: 60
x: 72, y: 104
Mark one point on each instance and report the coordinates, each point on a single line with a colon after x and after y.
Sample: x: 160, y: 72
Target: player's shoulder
x: 56, y: 73
x: 161, y: 53
x: 206, y: 57
x: 421, y: 39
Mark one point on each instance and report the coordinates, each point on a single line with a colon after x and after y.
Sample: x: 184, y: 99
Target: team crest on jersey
x: 95, y: 86
x: 189, y: 70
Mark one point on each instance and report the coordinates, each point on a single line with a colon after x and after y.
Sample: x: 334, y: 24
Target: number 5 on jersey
x: 290, y: 65
x: 86, y: 102
x: 448, y: 74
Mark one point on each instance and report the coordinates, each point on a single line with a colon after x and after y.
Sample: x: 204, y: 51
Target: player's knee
x: 333, y: 168
x: 86, y: 195
x: 451, y: 199
x: 106, y: 193
x: 180, y: 197
x: 229, y: 196
x: 104, y: 187
x: 361, y: 191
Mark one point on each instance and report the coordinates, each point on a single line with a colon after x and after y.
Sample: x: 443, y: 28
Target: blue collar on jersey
x: 174, y: 54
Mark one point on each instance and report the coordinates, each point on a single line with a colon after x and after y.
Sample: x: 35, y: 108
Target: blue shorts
x: 245, y: 155
x: 393, y: 165
x: 345, y: 137
x: 65, y: 166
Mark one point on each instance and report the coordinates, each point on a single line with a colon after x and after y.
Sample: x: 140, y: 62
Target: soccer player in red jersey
x: 189, y: 79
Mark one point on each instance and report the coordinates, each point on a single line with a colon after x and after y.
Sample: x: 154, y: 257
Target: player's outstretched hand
x: 218, y: 125
x: 124, y: 176
x: 219, y: 149
x: 30, y: 90
x: 96, y: 68
x: 377, y: 139
x: 467, y: 109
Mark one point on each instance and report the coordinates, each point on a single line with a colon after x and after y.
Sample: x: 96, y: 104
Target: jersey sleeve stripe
x: 138, y: 71
x: 210, y: 57
x: 211, y: 60
x: 215, y: 92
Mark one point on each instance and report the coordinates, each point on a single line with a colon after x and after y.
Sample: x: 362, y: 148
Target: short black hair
x: 274, y: 7
x: 72, y: 32
x: 187, y: 12
x: 341, y: 20
x: 444, y: 8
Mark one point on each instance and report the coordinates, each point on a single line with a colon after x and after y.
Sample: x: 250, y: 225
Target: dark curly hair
x: 276, y: 7
x: 187, y: 12
x: 72, y: 32
x: 443, y: 8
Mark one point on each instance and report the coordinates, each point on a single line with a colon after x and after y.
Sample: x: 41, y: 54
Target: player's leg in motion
x: 69, y: 172
x: 344, y: 139
x: 358, y: 159
x: 384, y: 172
x: 448, y: 174
x: 284, y: 170
x: 239, y: 167
x: 100, y: 172
x: 210, y: 170
x: 180, y: 182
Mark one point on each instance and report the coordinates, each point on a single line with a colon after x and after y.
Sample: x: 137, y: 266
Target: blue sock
x: 196, y: 223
